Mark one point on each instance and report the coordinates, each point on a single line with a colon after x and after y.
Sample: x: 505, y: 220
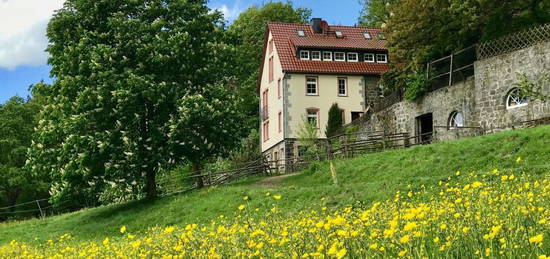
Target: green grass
x: 362, y: 180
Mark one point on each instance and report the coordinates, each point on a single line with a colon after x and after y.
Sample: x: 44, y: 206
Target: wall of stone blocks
x: 495, y: 77
x: 481, y: 99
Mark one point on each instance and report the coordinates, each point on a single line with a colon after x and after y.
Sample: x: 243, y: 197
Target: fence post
x: 210, y: 177
x: 40, y: 208
x: 329, y: 149
x: 451, y: 70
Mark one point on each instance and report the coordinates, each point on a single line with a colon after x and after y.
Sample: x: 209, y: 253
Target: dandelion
x: 277, y: 197
x: 402, y: 253
x: 106, y: 241
x: 536, y: 239
x: 245, y: 198
x: 241, y: 207
x: 518, y: 160
x: 123, y: 229
x: 341, y: 253
x: 169, y: 229
x: 405, y: 239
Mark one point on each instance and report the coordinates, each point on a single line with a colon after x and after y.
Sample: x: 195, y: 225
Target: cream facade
x: 298, y: 102
x: 305, y: 69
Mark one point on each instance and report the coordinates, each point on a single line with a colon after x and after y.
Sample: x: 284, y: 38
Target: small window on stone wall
x: 515, y: 99
x: 456, y: 120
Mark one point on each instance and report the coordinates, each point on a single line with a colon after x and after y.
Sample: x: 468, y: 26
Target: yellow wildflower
x: 536, y: 239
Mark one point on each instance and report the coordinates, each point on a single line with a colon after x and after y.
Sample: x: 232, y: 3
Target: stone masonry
x: 481, y: 99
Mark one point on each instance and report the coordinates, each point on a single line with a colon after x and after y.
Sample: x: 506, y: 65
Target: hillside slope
x: 368, y: 178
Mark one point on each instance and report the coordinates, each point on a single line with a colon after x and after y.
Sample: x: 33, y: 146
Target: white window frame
x: 316, y: 116
x: 514, y: 95
x: 345, y: 86
x: 339, y: 34
x: 315, y: 51
x: 301, y: 33
x: 381, y: 55
x: 353, y: 54
x: 456, y: 120
x: 343, y: 55
x: 373, y: 60
x: 330, y: 54
x: 316, y: 86
x: 367, y: 35
x: 304, y: 52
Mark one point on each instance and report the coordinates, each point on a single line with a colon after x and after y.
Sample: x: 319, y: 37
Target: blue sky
x: 23, y: 24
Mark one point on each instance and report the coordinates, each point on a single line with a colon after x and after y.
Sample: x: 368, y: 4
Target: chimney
x: 316, y: 24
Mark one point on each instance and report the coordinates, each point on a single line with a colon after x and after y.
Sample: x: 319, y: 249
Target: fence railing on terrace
x: 451, y: 69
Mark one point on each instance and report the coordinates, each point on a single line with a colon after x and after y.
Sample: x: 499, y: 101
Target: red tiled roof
x: 287, y: 41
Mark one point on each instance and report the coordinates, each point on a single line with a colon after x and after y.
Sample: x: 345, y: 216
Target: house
x: 305, y: 69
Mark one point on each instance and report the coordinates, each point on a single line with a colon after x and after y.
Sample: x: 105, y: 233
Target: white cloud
x: 23, y: 31
x: 232, y: 13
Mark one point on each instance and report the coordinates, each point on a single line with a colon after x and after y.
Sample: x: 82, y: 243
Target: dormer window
x: 339, y: 56
x: 304, y: 55
x: 316, y: 55
x: 367, y: 35
x: 327, y: 56
x: 381, y: 58
x: 353, y: 57
x: 301, y: 33
x: 339, y: 34
x: 369, y: 57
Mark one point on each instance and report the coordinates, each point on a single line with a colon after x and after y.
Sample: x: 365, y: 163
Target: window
x: 311, y: 85
x: 280, y: 121
x: 516, y: 99
x: 271, y: 69
x: 339, y: 56
x: 456, y: 120
x: 313, y: 116
x: 369, y: 57
x: 342, y: 86
x: 353, y: 57
x: 339, y: 34
x: 279, y: 89
x: 304, y: 55
x: 265, y: 113
x: 316, y: 55
x: 265, y: 131
x: 270, y: 46
x: 301, y: 33
x: 381, y: 58
x: 327, y: 56
x: 367, y: 36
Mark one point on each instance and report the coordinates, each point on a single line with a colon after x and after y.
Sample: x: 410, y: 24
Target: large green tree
x: 376, y: 13
x: 422, y: 30
x: 248, y: 32
x: 123, y: 72
x: 17, y: 122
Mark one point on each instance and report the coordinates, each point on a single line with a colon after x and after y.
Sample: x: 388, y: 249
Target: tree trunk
x: 196, y: 168
x: 151, y: 183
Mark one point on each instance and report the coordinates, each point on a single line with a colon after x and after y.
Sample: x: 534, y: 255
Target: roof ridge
x: 346, y: 26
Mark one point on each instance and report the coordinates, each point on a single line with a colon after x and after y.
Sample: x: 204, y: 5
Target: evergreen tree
x: 334, y: 120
